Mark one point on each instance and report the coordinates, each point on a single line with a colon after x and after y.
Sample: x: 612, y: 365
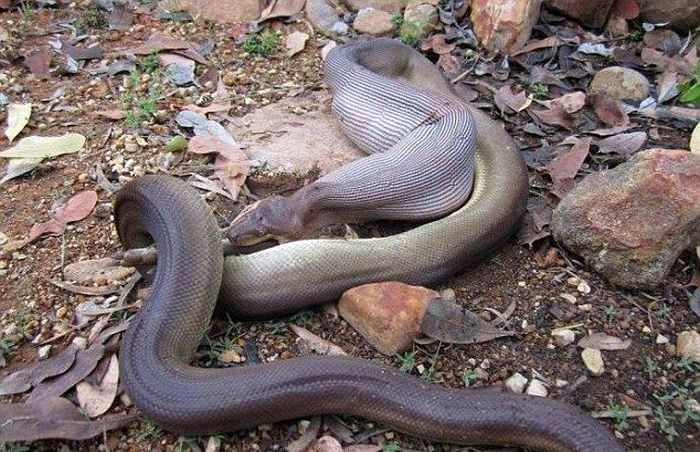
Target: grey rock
x: 321, y: 15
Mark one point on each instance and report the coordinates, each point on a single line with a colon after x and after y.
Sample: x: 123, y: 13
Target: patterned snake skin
x: 191, y: 273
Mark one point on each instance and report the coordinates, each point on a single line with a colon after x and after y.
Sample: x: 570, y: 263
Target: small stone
x: 536, y: 388
x: 688, y: 344
x: 661, y: 339
x: 448, y: 294
x: 61, y: 312
x: 213, y: 444
x: 568, y: 297
x: 583, y: 287
x: 373, y: 21
x: 240, y: 11
x: 563, y: 337
x: 303, y: 425
x: 559, y: 383
x: 325, y: 444
x: 80, y: 342
x: 44, y: 351
x: 646, y: 329
x: 388, y: 315
x: 588, y: 307
x: 593, y: 359
x: 230, y: 356
x: 516, y: 383
x: 620, y: 83
x: 340, y: 28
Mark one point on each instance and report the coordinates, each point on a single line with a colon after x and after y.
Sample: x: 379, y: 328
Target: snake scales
x: 192, y: 272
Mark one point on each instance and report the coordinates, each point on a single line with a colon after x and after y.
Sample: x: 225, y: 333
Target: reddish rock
x: 620, y: 83
x: 374, y: 22
x: 384, y: 5
x: 682, y: 15
x: 388, y: 315
x: 593, y: 13
x: 224, y: 11
x: 631, y: 223
x: 688, y: 344
x: 504, y: 25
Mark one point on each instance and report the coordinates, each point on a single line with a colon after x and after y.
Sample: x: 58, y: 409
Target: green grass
x: 620, y: 415
x: 138, y: 107
x: 391, y: 447
x: 650, y: 367
x: 469, y: 376
x: 690, y: 91
x: 147, y: 431
x: 609, y: 313
x: 92, y: 19
x: 263, y: 44
x: 539, y: 90
x: 410, y: 33
x: 13, y: 447
x: 406, y: 361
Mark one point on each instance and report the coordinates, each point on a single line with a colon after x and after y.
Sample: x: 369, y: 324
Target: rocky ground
x: 123, y: 79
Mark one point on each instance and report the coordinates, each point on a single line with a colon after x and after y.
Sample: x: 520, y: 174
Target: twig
x: 610, y: 414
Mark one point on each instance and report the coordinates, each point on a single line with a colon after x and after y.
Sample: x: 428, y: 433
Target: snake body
x: 191, y: 273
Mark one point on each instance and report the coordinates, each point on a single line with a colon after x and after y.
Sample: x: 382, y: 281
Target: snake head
x: 261, y: 221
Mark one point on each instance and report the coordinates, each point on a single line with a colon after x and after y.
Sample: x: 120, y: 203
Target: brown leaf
x: 504, y: 97
x: 296, y: 42
x: 51, y: 227
x: 667, y: 63
x: 565, y: 166
x: 666, y: 86
x: 85, y: 290
x: 325, y: 444
x: 231, y: 165
x: 602, y: 341
x: 437, y: 44
x: 114, y: 115
x: 571, y: 102
x: 609, y: 110
x: 556, y: 116
x: 281, y: 8
x: 548, y: 259
x: 664, y: 40
x: 95, y: 401
x: 24, y: 379
x: 159, y: 42
x: 316, y: 343
x: 550, y: 41
x: 624, y: 144
x: 85, y: 363
x: 449, y: 63
x: 448, y: 322
x: 81, y: 53
x: 39, y: 63
x: 78, y: 207
x: 53, y: 418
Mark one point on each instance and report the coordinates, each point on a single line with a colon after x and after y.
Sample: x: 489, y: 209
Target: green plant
x: 147, y: 431
x: 410, y: 33
x: 391, y: 447
x: 5, y: 347
x: 407, y: 361
x: 539, y: 90
x: 397, y: 19
x: 26, y: 10
x: 263, y: 44
x: 137, y: 107
x: 665, y: 423
x: 686, y: 363
x: 92, y: 19
x: 469, y: 376
x: 620, y: 414
x: 14, y: 447
x: 650, y: 367
x: 189, y: 444
x: 149, y: 63
x: 690, y: 91
x: 609, y: 313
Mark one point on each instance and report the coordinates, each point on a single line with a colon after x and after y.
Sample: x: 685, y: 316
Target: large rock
x: 504, y: 25
x: 683, y: 15
x: 420, y: 17
x: 296, y: 133
x: 688, y: 345
x: 384, y: 5
x: 321, y: 15
x: 223, y: 11
x: 593, y: 13
x: 631, y: 223
x: 373, y: 21
x: 388, y: 315
x: 620, y: 83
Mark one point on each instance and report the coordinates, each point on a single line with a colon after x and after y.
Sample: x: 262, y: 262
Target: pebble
x: 588, y: 307
x: 485, y: 364
x: 620, y: 83
x: 559, y: 383
x: 688, y: 344
x: 568, y: 297
x: 593, y: 359
x: 536, y: 388
x: 563, y: 337
x: 661, y: 339
x: 516, y: 383
x: 44, y: 351
x: 646, y: 329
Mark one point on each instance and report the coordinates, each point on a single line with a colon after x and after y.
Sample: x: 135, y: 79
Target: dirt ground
x: 645, y: 376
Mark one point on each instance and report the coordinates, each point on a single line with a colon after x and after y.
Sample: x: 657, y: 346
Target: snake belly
x: 192, y: 274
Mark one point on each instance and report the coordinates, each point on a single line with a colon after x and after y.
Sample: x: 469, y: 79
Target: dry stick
x: 610, y: 414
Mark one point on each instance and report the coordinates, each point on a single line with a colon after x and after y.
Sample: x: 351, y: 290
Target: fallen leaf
x: 81, y: 53
x: 17, y: 167
x: 53, y: 418
x: 159, y: 42
x: 571, y: 102
x: 39, y: 63
x: 281, y: 8
x: 565, y: 166
x: 594, y: 49
x: 504, y: 97
x: 556, y: 116
x: 437, y: 44
x: 44, y: 147
x: 316, y: 343
x: 231, y: 165
x: 95, y: 401
x: 51, y: 227
x: 300, y: 444
x: 77, y: 207
x: 539, y: 74
x: 85, y: 290
x: 24, y: 379
x: 695, y: 140
x: 296, y: 42
x: 550, y: 41
x: 548, y: 259
x: 96, y: 272
x: 609, y: 110
x: 17, y: 117
x: 602, y: 341
x: 624, y: 144
x: 114, y: 115
x: 448, y: 322
x: 449, y: 63
x: 667, y: 86
x: 664, y: 40
x: 610, y: 131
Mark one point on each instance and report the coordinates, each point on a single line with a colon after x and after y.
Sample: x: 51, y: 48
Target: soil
x: 30, y: 301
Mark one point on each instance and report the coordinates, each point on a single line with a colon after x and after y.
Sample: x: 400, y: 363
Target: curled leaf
x: 44, y: 147
x: 17, y: 117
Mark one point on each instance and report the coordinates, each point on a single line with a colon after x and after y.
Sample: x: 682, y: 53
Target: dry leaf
x: 556, y: 116
x: 602, y: 341
x: 667, y: 86
x: 448, y: 322
x: 449, y: 63
x: 53, y: 418
x: 296, y: 42
x: 44, y: 147
x: 437, y: 44
x: 624, y: 144
x: 39, y: 63
x: 77, y: 207
x: 17, y: 167
x: 504, y: 97
x: 159, y: 42
x: 571, y: 102
x: 24, y: 379
x: 550, y: 41
x: 231, y: 165
x: 281, y: 8
x: 17, y: 117
x: 316, y: 343
x: 95, y: 401
x: 609, y: 110
x: 565, y: 166
x: 114, y: 115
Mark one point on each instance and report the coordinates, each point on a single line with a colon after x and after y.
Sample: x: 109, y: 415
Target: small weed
x: 665, y: 423
x: 14, y: 447
x: 397, y: 19
x: 690, y: 91
x: 137, y: 107
x: 301, y: 318
x: 263, y: 44
x: 92, y: 19
x: 469, y: 376
x: 407, y: 361
x: 686, y: 363
x: 539, y: 90
x: 20, y: 319
x: 650, y: 367
x: 609, y: 313
x: 187, y: 444
x: 410, y: 33
x: 26, y: 11
x: 391, y: 447
x: 620, y: 414
x: 149, y: 63
x: 147, y: 431
x: 5, y: 347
